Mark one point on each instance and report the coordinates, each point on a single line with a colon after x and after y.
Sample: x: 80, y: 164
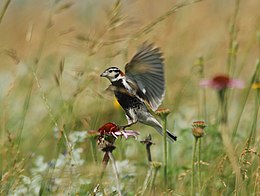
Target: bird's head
x: 113, y: 74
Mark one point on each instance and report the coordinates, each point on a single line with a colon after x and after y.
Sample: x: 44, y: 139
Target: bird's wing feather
x: 145, y: 70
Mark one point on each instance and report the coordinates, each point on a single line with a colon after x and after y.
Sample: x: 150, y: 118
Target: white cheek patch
x: 113, y: 74
x: 113, y: 79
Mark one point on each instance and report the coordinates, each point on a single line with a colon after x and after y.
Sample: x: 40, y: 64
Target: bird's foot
x: 123, y: 127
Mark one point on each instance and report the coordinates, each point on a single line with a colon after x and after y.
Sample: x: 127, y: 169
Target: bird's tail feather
x: 170, y: 136
x: 158, y: 127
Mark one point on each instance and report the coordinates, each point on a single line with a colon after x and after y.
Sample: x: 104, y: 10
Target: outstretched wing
x: 145, y: 71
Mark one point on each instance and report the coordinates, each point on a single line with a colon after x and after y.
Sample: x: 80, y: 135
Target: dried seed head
x: 198, y: 128
x: 199, y: 123
x: 163, y: 113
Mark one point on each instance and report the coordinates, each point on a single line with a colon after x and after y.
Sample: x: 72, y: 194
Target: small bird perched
x: 143, y: 82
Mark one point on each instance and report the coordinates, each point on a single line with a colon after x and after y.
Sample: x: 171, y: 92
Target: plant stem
x: 108, y: 149
x: 254, y: 77
x: 232, y: 45
x: 252, y: 135
x: 93, y: 149
x: 232, y: 158
x: 164, y: 124
x: 34, y: 67
x: 147, y: 179
x: 223, y: 106
x: 4, y: 10
x: 161, y: 18
x: 193, y: 166
x: 256, y: 184
x: 148, y: 142
x: 199, y: 166
x: 104, y: 165
x: 156, y: 166
x: 111, y: 157
x: 227, y: 141
x: 148, y: 150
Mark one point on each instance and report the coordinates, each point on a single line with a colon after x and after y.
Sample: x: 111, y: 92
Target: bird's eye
x: 109, y: 71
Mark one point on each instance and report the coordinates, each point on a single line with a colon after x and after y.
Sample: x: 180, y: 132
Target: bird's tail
x: 158, y: 127
x: 170, y: 136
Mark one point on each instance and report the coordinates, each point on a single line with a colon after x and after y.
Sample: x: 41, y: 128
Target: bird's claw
x: 123, y: 127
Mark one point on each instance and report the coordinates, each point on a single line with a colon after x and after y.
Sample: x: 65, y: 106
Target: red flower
x: 108, y: 128
x: 221, y: 82
x: 111, y: 131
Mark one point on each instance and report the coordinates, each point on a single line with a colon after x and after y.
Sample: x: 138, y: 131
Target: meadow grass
x: 52, y: 98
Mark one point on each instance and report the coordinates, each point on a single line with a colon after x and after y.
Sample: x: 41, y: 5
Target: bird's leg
x: 128, y: 125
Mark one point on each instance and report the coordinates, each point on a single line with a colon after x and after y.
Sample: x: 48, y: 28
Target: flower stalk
x: 148, y: 143
x: 149, y: 177
x: 252, y: 136
x: 156, y: 166
x: 193, y: 166
x: 246, y: 95
x: 105, y: 138
x: 256, y: 87
x: 165, y: 152
x: 163, y: 113
x: 111, y: 157
x: 223, y: 106
x: 221, y: 83
x: 3, y: 11
x: 198, y: 132
x: 93, y: 149
x: 199, y: 166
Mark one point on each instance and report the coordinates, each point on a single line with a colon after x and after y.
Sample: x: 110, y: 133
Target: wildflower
x: 106, y: 136
x: 198, y: 128
x: 198, y: 132
x: 163, y: 113
x: 221, y: 82
x: 110, y: 131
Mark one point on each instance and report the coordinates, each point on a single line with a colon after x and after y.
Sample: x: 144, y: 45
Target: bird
x: 141, y: 88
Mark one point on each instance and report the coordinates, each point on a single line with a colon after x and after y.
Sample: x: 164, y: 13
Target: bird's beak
x: 103, y: 74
